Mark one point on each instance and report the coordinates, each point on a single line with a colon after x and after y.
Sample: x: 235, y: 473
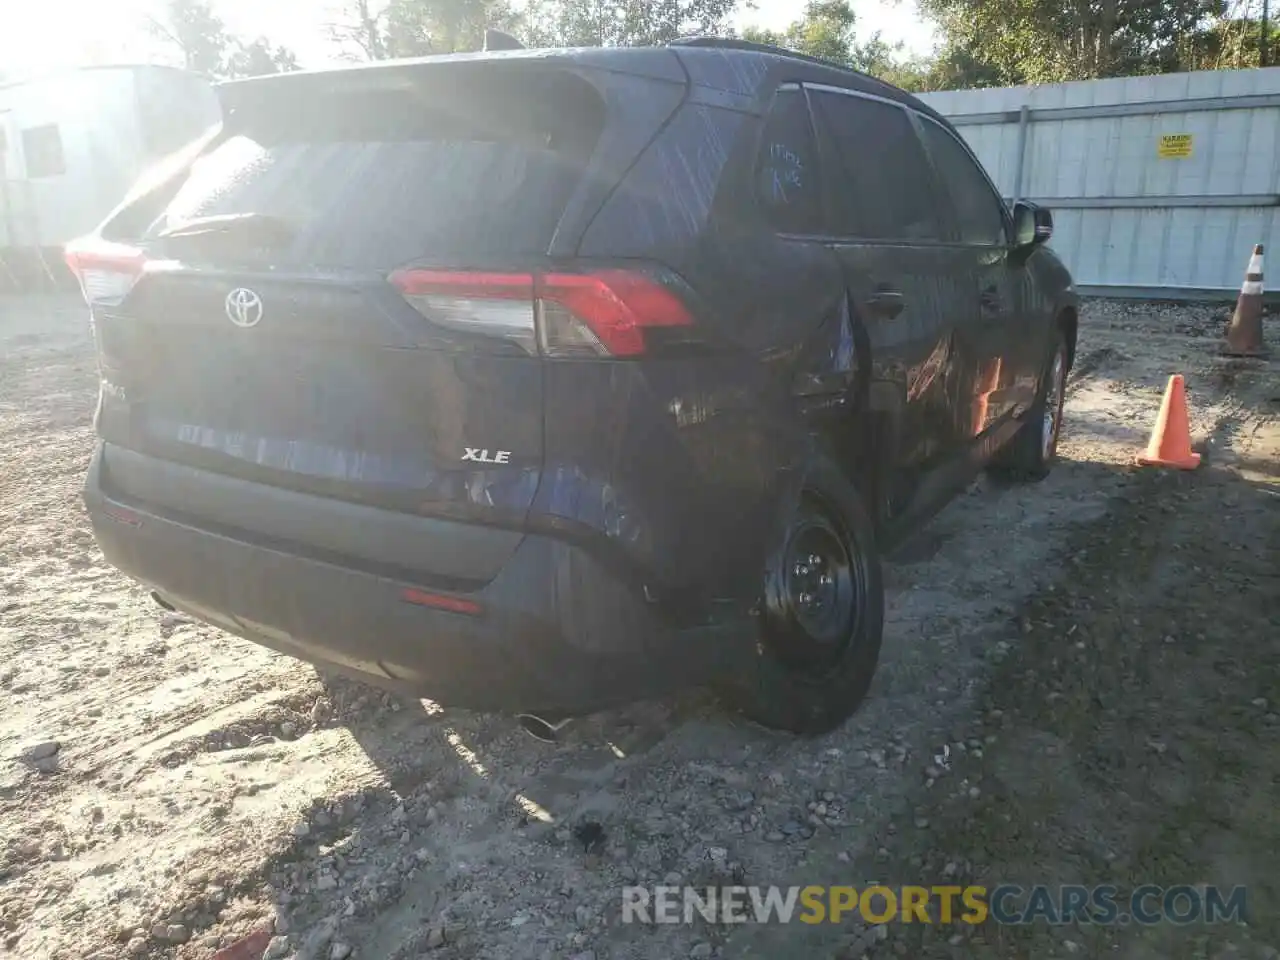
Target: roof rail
x: 733, y: 43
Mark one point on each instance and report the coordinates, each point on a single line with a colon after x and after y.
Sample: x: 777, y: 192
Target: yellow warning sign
x: 1175, y: 146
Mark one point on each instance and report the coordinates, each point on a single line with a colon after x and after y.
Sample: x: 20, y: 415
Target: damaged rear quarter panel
x: 684, y: 463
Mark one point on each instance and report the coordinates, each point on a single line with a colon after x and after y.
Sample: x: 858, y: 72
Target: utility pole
x: 1264, y: 39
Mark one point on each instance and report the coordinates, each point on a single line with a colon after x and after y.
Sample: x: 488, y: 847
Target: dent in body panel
x: 984, y: 408
x: 1031, y: 318
x: 914, y: 354
x: 743, y: 434
x: 676, y: 462
x: 697, y: 455
x: 835, y: 351
x: 922, y: 378
x: 773, y: 293
x: 1040, y: 288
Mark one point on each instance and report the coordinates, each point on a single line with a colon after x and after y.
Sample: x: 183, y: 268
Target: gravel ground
x: 1095, y: 653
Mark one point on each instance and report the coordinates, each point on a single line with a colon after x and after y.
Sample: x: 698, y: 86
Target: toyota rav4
x: 545, y: 381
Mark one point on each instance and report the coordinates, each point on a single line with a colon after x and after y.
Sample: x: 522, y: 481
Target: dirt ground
x: 1080, y: 685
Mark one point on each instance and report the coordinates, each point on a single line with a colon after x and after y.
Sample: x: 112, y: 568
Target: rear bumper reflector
x: 439, y: 601
x: 121, y: 515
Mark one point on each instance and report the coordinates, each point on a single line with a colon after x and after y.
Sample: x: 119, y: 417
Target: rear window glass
x: 376, y: 178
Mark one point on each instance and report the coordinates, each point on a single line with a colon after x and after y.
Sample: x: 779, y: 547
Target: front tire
x: 1030, y: 455
x: 821, y: 614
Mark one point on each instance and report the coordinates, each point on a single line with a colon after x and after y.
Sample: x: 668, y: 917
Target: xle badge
x: 482, y: 456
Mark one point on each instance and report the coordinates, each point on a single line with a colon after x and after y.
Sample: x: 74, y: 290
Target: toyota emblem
x: 244, y: 307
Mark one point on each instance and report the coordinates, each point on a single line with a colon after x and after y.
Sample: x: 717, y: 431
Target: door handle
x: 990, y: 300
x: 886, y: 302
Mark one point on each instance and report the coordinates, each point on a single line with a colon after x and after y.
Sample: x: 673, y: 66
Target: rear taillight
x: 603, y: 313
x: 490, y: 304
x: 615, y: 306
x: 106, y: 271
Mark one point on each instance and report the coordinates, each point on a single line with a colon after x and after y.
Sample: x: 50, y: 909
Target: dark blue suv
x: 543, y: 381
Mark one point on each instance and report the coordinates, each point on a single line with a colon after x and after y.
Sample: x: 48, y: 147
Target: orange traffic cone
x: 1170, y: 444
x: 1244, y: 335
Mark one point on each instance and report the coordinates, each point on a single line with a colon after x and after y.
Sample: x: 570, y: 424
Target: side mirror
x: 1032, y: 224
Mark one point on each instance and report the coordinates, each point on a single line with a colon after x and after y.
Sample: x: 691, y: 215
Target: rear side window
x: 881, y: 180
x: 979, y: 211
x: 787, y: 181
x: 372, y: 178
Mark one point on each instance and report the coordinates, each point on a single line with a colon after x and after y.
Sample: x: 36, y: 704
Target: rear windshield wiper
x: 260, y: 225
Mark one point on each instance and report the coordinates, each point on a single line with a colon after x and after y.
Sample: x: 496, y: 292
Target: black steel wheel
x: 815, y: 596
x: 821, y: 614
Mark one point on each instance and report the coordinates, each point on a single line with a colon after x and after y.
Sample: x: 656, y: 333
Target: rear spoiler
x: 497, y: 40
x: 657, y: 63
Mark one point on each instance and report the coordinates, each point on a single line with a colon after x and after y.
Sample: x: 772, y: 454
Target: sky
x: 44, y: 34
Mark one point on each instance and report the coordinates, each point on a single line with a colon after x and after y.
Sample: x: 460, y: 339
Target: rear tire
x: 1030, y: 454
x: 821, y: 615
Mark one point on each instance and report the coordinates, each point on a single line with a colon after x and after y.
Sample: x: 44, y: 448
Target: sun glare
x: 52, y: 34
x: 61, y: 33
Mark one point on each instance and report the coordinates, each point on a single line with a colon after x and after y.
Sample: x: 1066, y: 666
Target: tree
x: 1046, y: 41
x: 365, y: 30
x: 621, y: 23
x: 258, y: 58
x: 955, y: 67
x: 202, y: 40
x: 197, y: 32
x: 421, y: 27
x: 359, y: 31
x: 827, y: 31
x: 1231, y: 43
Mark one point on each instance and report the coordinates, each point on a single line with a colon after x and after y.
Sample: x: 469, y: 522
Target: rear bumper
x: 555, y: 633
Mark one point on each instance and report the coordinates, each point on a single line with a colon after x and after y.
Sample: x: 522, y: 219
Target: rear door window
x: 880, y: 177
x: 787, y: 181
x: 979, y: 210
x: 374, y: 178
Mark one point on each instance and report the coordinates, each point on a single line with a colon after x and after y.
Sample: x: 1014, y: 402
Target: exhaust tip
x: 548, y: 731
x: 162, y: 602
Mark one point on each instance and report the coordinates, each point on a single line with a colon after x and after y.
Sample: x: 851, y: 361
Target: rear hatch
x: 349, y: 293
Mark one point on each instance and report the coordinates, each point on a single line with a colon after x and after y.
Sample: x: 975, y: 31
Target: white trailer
x: 73, y: 142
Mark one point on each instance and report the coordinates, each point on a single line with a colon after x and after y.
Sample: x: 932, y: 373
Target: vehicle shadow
x: 381, y: 864
x: 453, y: 792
